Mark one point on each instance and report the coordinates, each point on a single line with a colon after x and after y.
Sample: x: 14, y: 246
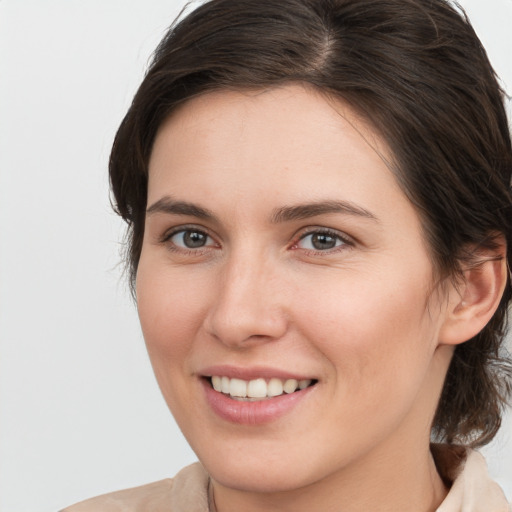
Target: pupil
x: 323, y: 241
x: 194, y: 239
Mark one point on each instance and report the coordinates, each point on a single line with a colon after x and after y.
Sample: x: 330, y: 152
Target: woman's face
x: 280, y: 252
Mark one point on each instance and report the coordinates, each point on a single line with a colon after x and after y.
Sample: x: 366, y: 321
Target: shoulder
x: 471, y: 488
x: 187, y: 491
x: 152, y: 496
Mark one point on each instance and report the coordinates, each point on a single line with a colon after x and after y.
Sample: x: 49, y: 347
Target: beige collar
x: 471, y: 490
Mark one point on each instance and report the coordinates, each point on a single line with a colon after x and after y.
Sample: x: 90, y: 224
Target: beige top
x: 465, y: 470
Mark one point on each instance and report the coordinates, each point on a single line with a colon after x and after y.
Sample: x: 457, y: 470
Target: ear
x: 472, y: 303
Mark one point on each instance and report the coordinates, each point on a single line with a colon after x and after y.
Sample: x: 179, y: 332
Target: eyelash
x: 346, y: 242
x: 166, y: 239
x: 337, y: 236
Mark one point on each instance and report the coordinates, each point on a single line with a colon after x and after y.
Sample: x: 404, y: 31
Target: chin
x: 258, y: 479
x: 263, y: 468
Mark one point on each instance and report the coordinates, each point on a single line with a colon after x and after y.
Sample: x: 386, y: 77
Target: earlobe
x: 472, y: 304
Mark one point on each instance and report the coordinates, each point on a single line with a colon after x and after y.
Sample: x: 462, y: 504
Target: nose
x: 249, y: 306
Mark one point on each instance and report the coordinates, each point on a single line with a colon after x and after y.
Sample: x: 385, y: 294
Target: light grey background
x: 80, y: 412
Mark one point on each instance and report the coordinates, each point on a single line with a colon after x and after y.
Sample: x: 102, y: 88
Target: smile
x: 257, y: 389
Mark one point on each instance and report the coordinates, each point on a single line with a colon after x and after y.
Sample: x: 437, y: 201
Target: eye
x: 190, y: 239
x: 321, y: 240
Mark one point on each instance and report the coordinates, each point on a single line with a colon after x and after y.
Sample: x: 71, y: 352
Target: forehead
x: 292, y: 130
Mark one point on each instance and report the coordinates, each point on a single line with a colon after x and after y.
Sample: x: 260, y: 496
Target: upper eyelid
x: 330, y: 231
x: 299, y: 234
x: 168, y: 233
x: 165, y: 240
x: 348, y: 241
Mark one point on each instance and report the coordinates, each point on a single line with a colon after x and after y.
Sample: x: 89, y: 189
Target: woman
x: 320, y: 231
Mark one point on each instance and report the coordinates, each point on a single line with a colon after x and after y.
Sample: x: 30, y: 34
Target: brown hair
x: 413, y: 68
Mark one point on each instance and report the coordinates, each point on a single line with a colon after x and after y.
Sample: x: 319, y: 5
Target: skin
x: 364, y: 318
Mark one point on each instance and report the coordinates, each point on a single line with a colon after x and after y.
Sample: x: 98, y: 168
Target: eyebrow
x: 284, y: 214
x: 168, y: 205
x: 305, y: 211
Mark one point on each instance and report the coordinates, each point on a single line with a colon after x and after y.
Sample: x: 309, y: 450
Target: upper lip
x: 251, y: 373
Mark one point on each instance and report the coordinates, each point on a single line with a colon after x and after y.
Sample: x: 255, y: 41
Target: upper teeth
x: 257, y: 388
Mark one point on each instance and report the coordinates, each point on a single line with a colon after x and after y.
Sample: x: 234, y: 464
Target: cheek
x: 377, y: 334
x: 170, y: 307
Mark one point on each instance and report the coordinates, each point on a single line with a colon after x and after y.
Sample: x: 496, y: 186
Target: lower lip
x: 252, y: 413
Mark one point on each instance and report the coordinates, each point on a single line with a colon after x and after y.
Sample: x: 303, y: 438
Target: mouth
x: 259, y: 389
x: 255, y: 396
